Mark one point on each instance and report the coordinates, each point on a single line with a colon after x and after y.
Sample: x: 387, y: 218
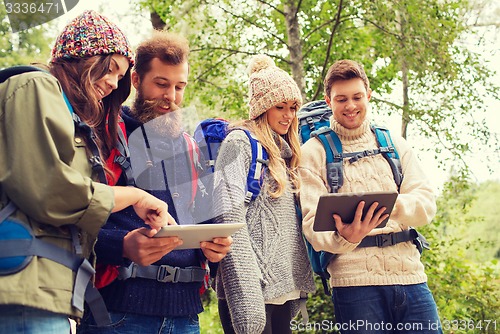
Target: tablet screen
x: 345, y: 205
x: 192, y: 235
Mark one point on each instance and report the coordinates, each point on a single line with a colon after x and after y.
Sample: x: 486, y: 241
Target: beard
x: 166, y: 124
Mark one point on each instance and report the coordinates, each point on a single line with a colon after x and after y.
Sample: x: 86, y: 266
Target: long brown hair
x: 278, y: 168
x: 77, y: 77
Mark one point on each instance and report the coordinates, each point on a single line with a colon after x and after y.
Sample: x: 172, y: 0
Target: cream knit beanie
x: 269, y: 86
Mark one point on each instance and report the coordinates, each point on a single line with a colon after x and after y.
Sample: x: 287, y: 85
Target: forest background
x: 433, y: 66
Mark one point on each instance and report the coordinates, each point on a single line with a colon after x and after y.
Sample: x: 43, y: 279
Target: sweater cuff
x: 109, y: 247
x: 344, y: 245
x: 250, y: 328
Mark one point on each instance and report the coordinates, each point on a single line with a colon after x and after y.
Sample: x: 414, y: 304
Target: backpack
x: 18, y: 244
x: 118, y: 161
x: 314, y: 122
x: 194, y: 157
x: 210, y: 133
x: 196, y: 184
x: 107, y: 273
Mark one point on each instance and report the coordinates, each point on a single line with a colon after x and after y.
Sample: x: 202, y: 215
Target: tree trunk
x: 405, y: 117
x: 295, y: 45
x: 157, y: 22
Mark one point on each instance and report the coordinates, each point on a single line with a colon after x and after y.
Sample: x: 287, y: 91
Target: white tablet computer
x: 192, y: 235
x: 345, y: 205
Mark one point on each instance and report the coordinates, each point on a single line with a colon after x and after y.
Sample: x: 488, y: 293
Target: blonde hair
x: 277, y: 167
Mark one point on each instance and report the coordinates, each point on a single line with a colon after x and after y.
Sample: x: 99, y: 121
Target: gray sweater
x: 268, y: 259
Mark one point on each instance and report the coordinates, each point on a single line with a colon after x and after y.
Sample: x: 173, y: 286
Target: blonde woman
x: 260, y: 282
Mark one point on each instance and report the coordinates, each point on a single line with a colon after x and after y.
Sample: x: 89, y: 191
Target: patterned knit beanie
x: 91, y: 34
x: 269, y: 86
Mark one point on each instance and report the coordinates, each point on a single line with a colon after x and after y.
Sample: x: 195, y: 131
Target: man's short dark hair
x: 344, y: 70
x: 168, y: 47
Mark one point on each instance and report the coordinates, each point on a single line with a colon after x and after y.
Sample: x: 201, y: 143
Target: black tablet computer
x: 192, y: 235
x: 345, y: 205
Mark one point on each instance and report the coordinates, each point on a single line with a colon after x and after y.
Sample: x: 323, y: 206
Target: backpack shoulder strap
x: 194, y: 159
x: 259, y: 160
x: 16, y: 70
x: 389, y: 152
x: 97, y: 164
x: 122, y: 138
x: 334, y: 157
x: 335, y: 178
x: 209, y: 134
x: 17, y: 241
x: 123, y: 156
x: 319, y: 260
x: 95, y: 159
x: 20, y: 69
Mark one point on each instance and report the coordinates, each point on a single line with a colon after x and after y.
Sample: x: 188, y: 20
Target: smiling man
x: 371, y: 285
x: 158, y: 288
x: 349, y: 101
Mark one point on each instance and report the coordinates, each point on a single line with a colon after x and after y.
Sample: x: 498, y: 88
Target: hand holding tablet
x: 345, y: 205
x: 192, y: 235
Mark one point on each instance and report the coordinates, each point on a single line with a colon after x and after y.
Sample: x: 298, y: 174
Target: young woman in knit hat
x: 50, y: 160
x: 261, y: 281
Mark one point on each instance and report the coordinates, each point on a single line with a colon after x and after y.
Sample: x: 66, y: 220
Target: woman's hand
x: 152, y: 210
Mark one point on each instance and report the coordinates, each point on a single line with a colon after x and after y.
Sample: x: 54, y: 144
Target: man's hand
x: 360, y: 226
x: 140, y: 247
x: 216, y: 249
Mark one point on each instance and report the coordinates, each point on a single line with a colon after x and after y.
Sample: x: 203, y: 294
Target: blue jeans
x: 127, y: 323
x: 386, y: 309
x: 17, y: 319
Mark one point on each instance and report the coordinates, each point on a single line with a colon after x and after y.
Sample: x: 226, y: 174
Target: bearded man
x: 143, y: 299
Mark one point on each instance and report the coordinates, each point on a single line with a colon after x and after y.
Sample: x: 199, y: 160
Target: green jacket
x: 45, y: 171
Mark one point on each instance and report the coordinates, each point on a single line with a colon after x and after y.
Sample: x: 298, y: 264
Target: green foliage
x: 483, y: 230
x: 24, y: 47
x: 464, y: 289
x: 209, y: 319
x: 320, y: 309
x: 421, y: 40
x: 463, y: 273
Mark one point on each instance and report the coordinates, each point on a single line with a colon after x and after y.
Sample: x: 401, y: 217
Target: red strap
x: 105, y: 275
x: 115, y: 168
x: 206, y: 279
x: 194, y: 151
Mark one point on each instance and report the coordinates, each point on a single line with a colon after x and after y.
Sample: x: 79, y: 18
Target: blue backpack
x: 209, y: 135
x: 314, y: 122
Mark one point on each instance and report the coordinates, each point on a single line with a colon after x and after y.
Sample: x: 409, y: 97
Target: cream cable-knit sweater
x: 415, y: 206
x: 268, y: 259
